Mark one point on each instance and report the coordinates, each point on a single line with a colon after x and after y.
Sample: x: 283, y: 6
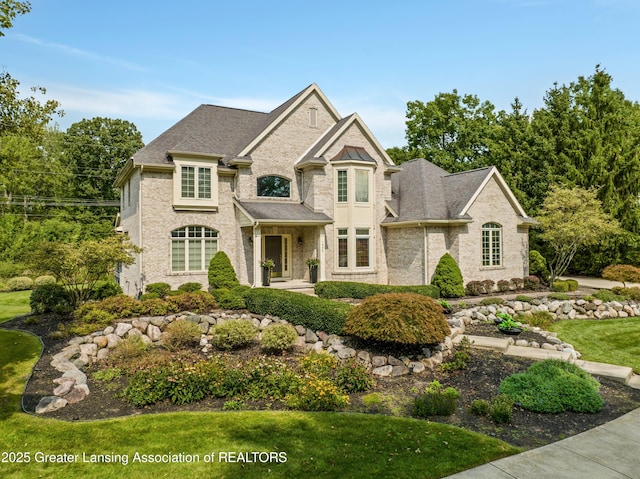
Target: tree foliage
x: 9, y: 9
x: 78, y: 267
x: 625, y: 273
x: 572, y: 218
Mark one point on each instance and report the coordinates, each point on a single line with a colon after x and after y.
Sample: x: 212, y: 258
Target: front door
x: 278, y: 248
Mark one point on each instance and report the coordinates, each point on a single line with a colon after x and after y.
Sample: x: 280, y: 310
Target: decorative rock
x: 112, y: 340
x: 394, y: 361
x: 122, y: 329
x: 154, y: 332
x: 345, y: 353
x: 522, y: 342
x: 88, y: 349
x: 101, y: 341
x: 383, y: 371
x: 265, y: 323
x: 79, y: 376
x: 534, y: 344
x: 310, y: 336
x: 548, y: 346
x: 50, y: 404
x: 416, y: 367
x: 108, y: 330
x: 318, y: 347
x: 133, y: 332
x: 65, y: 387
x: 400, y: 370
x: 77, y: 394
x: 364, y: 356
x: 102, y: 354
x: 378, y: 361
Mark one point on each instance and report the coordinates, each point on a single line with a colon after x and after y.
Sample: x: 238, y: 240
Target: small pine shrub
x: 559, y: 296
x: 50, y: 298
x: 524, y: 299
x: 501, y: 409
x: 460, y: 359
x: 560, y: 286
x: 540, y: 319
x: 45, y: 279
x: 504, y: 285
x: 129, y: 348
x: 19, y: 283
x: 554, y: 386
x: 436, y: 401
x: 221, y: 273
x: 279, y: 337
x: 190, y: 287
x: 352, y: 377
x: 474, y: 288
x: 402, y: 318
x: 182, y: 333
x: 157, y: 307
x: 538, y: 265
x: 608, y: 296
x: 92, y: 320
x: 161, y: 289
x: 146, y: 296
x: 625, y: 273
x: 631, y: 293
x: 234, y: 334
x: 479, y: 407
x: 448, y: 278
x: 121, y: 306
x: 517, y: 284
x: 198, y: 302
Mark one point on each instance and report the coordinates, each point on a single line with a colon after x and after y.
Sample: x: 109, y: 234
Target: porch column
x: 322, y: 239
x: 257, y: 256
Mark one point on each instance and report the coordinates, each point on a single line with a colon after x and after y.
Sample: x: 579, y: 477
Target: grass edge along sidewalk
x: 314, y: 444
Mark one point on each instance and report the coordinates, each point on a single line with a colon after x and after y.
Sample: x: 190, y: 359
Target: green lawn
x: 613, y: 341
x: 14, y: 304
x: 314, y: 444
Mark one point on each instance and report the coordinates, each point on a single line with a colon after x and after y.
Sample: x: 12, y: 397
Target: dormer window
x: 274, y: 186
x: 195, y: 184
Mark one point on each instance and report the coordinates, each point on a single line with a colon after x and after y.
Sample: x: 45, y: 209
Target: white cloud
x: 72, y: 51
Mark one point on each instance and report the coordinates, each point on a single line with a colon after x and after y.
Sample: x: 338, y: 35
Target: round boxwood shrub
x: 221, y: 272
x: 19, y: 283
x: 190, y: 287
x: 161, y: 289
x: 402, y: 318
x: 50, y: 298
x: 279, y: 337
x: 182, y: 333
x: 105, y: 289
x: 234, y: 334
x: 44, y: 279
x: 448, y: 278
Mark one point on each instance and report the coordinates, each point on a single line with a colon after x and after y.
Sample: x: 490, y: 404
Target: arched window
x: 491, y: 244
x: 274, y: 186
x: 192, y: 247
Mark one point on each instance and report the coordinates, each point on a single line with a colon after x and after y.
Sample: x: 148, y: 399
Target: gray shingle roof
x: 280, y: 211
x: 211, y: 129
x: 425, y: 192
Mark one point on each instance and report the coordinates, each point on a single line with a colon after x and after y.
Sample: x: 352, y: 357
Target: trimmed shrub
x: 234, y: 334
x: 190, y: 287
x: 490, y: 301
x: 560, y: 286
x: 625, y: 273
x: 279, y: 337
x: 531, y: 283
x: 50, y: 298
x: 182, y: 333
x: 479, y: 407
x: 157, y: 307
x: 231, y: 298
x: 402, y: 318
x: 45, y: 279
x: 104, y: 289
x: 161, y: 289
x: 198, y: 302
x: 121, y: 306
x: 448, y: 278
x: 554, y: 386
x: 318, y: 314
x: 350, y: 289
x: 501, y: 409
x: 129, y: 348
x: 516, y: 284
x: 540, y: 319
x: 538, y: 265
x: 524, y: 299
x: 221, y: 273
x: 19, y: 283
x: 146, y: 296
x: 436, y: 401
x: 352, y: 377
x: 487, y: 286
x: 631, y: 293
x: 504, y: 285
x: 573, y: 284
x: 559, y: 296
x: 474, y: 288
x: 90, y: 319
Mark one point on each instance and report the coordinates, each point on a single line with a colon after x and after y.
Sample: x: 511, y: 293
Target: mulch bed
x: 480, y: 380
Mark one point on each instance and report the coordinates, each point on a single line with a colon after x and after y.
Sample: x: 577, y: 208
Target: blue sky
x: 152, y: 62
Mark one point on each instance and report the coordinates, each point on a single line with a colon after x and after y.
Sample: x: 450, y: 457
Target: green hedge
x: 317, y: 314
x: 348, y: 289
x: 564, y: 286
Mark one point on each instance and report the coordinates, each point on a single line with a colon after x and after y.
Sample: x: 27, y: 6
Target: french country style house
x: 303, y: 182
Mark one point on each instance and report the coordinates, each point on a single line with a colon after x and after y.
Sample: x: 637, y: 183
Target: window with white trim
x: 191, y: 188
x: 342, y: 193
x: 362, y: 247
x: 362, y: 186
x: 195, y: 184
x: 491, y: 244
x: 192, y: 248
x: 343, y: 247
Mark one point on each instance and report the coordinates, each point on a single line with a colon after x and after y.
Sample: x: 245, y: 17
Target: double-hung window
x: 343, y: 189
x: 196, y: 182
x: 192, y: 248
x: 343, y: 247
x: 362, y: 247
x: 491, y: 244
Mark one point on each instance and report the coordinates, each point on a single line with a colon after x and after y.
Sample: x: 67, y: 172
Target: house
x: 303, y: 182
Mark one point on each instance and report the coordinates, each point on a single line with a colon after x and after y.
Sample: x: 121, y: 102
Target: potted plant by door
x: 267, y: 266
x: 313, y: 263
